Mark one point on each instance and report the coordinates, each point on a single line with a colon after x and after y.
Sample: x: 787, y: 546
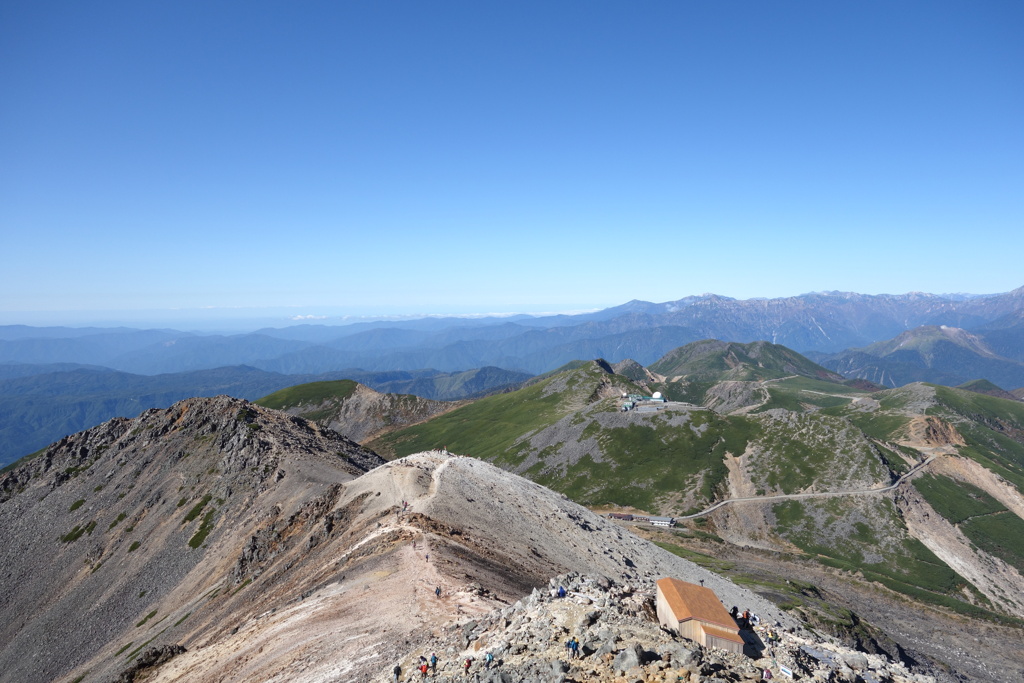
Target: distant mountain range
x: 826, y: 322
x: 55, y: 381
x: 937, y: 354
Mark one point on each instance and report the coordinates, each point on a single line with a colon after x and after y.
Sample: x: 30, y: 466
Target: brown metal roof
x: 690, y: 601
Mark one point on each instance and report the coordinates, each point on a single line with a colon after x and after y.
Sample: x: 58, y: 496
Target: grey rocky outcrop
x: 620, y: 642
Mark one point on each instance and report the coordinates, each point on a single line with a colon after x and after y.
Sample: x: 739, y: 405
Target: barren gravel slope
x: 490, y: 536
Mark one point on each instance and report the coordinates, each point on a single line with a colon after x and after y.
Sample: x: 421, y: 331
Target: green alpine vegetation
x: 720, y: 361
x: 744, y: 420
x: 313, y: 393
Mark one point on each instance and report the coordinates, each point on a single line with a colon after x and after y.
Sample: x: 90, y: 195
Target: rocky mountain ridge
x: 44, y: 403
x: 110, y: 524
x: 218, y: 540
x: 232, y: 542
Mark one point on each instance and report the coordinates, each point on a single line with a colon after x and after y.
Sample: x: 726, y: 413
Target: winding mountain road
x: 824, y: 494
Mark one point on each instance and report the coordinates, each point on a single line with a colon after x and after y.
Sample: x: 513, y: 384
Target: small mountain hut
x: 695, y: 612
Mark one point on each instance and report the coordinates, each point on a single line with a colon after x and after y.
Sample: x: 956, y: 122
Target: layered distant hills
x: 826, y: 322
x: 54, y: 381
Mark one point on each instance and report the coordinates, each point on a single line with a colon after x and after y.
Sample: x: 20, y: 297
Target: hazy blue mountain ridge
x: 824, y: 322
x: 99, y: 348
x: 936, y: 354
x: 41, y: 408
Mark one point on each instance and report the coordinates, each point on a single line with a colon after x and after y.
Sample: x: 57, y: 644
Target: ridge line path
x: 744, y: 410
x: 823, y: 494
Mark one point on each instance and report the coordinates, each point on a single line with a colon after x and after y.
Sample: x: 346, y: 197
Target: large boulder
x: 631, y: 656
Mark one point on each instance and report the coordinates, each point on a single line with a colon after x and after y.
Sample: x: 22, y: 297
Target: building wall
x: 666, y: 617
x: 691, y: 629
x: 725, y: 644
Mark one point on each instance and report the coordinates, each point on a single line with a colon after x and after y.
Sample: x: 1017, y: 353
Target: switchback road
x: 825, y: 494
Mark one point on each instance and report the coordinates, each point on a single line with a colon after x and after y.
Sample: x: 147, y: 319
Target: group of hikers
x: 747, y: 620
x: 429, y: 666
x: 572, y: 648
x: 425, y: 665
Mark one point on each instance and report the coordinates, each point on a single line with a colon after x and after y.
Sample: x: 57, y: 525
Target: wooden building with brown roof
x: 695, y: 612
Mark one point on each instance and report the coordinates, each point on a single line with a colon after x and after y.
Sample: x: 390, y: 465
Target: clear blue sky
x: 383, y: 157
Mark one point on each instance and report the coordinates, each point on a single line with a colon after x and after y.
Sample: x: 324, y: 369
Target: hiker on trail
x: 423, y: 670
x: 561, y: 591
x: 568, y: 647
x: 465, y: 665
x: 433, y: 662
x: 437, y: 591
x: 397, y: 672
x: 487, y: 660
x: 575, y: 647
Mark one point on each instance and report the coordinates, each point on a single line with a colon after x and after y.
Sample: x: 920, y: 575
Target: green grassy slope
x: 494, y: 426
x: 313, y: 393
x: 716, y: 360
x: 993, y: 429
x: 566, y: 431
